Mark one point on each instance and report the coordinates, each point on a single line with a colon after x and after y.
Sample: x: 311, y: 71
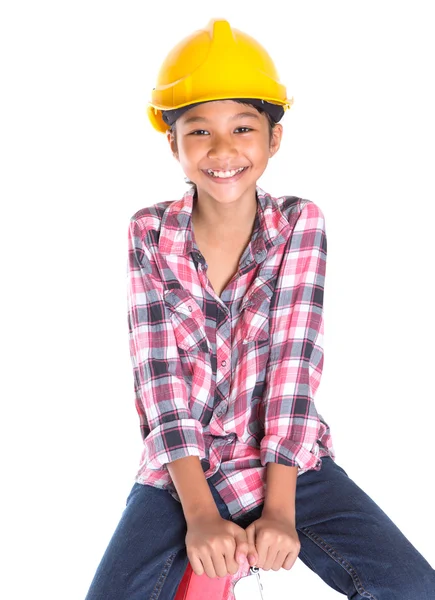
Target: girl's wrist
x: 281, y: 513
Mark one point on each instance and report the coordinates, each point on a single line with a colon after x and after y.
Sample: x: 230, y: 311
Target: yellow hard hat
x: 215, y: 63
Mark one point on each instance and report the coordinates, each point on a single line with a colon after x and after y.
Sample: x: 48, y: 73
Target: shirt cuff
x: 276, y: 449
x: 173, y: 440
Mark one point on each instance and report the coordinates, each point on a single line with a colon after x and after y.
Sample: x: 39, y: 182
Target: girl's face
x: 224, y: 147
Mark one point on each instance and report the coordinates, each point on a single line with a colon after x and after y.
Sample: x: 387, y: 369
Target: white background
x: 78, y: 158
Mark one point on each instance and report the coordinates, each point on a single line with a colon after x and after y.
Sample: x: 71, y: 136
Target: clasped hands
x: 218, y: 547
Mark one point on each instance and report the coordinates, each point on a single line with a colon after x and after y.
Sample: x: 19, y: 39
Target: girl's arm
x: 162, y: 400
x: 280, y: 491
x: 291, y: 423
x: 192, y: 487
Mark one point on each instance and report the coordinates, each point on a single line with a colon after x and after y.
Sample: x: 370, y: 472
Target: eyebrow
x: 194, y: 119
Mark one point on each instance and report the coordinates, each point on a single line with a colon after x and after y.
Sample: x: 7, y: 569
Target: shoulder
x: 150, y: 217
x: 293, y: 208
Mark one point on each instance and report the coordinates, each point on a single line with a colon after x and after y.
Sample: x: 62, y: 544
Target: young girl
x: 225, y: 301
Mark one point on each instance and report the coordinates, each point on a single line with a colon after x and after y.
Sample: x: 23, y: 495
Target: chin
x: 228, y: 195
x: 225, y: 193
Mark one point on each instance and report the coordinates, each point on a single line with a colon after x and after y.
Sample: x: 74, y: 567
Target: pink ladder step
x: 202, y: 587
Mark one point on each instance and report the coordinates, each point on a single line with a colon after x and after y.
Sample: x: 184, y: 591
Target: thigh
x: 146, y: 556
x: 352, y: 544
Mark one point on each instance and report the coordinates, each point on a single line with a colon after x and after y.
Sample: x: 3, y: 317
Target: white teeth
x: 224, y: 174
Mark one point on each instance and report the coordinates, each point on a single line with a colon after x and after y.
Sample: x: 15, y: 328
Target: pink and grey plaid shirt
x: 229, y: 379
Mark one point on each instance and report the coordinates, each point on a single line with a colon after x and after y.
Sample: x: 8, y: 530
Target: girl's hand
x: 276, y: 541
x: 214, y: 545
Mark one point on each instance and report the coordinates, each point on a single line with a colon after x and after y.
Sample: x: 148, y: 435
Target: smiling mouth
x: 225, y: 174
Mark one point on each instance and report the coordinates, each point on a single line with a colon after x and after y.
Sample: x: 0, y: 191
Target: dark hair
x: 272, y: 124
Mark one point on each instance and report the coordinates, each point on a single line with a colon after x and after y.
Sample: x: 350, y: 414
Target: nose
x: 222, y: 147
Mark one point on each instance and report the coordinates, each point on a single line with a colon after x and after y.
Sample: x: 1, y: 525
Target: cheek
x: 258, y: 155
x: 191, y: 152
x: 257, y: 147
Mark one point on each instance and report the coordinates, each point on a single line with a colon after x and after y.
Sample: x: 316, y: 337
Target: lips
x: 228, y: 175
x: 224, y: 174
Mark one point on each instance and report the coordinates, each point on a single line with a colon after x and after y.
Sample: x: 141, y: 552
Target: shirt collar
x: 176, y: 236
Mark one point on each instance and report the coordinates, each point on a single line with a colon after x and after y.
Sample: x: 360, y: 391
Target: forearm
x: 192, y: 488
x: 280, y: 498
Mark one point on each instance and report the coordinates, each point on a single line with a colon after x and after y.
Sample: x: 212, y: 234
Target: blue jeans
x: 345, y: 538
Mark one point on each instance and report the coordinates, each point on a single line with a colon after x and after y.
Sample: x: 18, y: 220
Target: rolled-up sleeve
x: 291, y: 421
x: 168, y: 430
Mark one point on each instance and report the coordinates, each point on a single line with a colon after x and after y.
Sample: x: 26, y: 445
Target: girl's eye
x: 201, y: 132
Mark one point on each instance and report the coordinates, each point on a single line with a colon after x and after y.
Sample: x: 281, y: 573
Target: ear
x: 275, y: 142
x: 172, y: 143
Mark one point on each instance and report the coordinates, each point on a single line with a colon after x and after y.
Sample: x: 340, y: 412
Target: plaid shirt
x: 229, y: 379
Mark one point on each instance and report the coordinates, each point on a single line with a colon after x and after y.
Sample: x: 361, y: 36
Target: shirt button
x: 260, y: 254
x: 222, y: 409
x: 224, y: 363
x: 190, y: 308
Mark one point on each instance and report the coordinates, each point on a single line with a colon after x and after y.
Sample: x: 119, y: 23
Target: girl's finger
x: 208, y: 565
x: 252, y: 551
x: 289, y: 560
x: 232, y: 565
x: 219, y: 564
x: 250, y: 533
x: 196, y: 564
x: 241, y: 550
x: 270, y: 558
x: 262, y: 549
x: 279, y: 560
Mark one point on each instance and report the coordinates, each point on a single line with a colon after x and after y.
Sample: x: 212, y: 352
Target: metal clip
x: 248, y: 587
x: 256, y: 571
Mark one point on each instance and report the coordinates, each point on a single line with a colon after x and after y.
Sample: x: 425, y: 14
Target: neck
x: 217, y: 217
